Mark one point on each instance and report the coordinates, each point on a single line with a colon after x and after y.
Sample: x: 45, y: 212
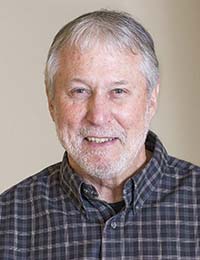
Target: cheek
x: 69, y: 116
x: 132, y: 117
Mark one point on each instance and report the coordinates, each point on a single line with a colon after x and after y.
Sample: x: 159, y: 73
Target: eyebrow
x: 79, y: 80
x: 119, y: 82
x: 114, y: 83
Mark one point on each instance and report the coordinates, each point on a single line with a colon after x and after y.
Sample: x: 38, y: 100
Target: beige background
x: 28, y: 140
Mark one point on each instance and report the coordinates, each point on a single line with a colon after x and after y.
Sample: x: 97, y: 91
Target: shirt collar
x: 147, y: 180
x: 137, y: 188
x: 71, y: 182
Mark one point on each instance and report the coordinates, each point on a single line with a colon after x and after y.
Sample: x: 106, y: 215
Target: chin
x: 101, y: 167
x: 103, y: 173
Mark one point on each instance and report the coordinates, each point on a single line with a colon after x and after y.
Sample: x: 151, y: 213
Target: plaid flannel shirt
x: 55, y: 215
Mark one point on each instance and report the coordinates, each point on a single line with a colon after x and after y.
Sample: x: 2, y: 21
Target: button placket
x: 113, y: 224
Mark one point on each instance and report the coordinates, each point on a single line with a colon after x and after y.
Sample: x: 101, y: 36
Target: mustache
x: 111, y: 132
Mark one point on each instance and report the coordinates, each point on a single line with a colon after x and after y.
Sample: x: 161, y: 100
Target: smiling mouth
x: 100, y: 140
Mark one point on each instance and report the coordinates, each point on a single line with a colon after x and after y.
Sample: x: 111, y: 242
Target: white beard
x: 103, y: 168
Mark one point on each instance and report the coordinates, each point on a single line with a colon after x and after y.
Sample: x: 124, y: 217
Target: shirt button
x: 113, y: 224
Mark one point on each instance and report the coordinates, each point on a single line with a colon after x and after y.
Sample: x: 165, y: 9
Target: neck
x: 111, y: 190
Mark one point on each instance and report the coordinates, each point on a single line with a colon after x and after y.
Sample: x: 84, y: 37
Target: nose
x: 98, y: 110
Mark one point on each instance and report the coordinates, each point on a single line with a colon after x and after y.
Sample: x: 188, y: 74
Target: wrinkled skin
x: 102, y: 112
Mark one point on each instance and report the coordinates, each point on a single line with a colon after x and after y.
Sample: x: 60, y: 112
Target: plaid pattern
x: 55, y: 215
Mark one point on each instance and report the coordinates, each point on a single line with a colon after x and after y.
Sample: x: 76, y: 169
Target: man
x: 117, y: 194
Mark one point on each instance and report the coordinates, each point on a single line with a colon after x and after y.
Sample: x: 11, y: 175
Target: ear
x: 51, y: 105
x: 153, y: 102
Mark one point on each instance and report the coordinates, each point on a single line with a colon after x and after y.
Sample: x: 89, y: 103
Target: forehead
x: 100, y: 57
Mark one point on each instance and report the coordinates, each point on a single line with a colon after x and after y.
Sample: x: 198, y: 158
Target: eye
x: 118, y: 92
x: 79, y: 92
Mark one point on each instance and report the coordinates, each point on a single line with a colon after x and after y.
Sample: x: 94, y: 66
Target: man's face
x: 101, y: 110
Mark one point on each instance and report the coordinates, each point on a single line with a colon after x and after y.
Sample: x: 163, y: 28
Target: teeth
x: 99, y: 140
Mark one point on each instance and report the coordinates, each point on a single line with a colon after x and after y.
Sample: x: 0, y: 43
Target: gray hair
x: 114, y: 28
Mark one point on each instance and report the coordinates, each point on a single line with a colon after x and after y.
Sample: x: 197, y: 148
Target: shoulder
x: 183, y: 174
x: 182, y: 167
x: 31, y: 187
